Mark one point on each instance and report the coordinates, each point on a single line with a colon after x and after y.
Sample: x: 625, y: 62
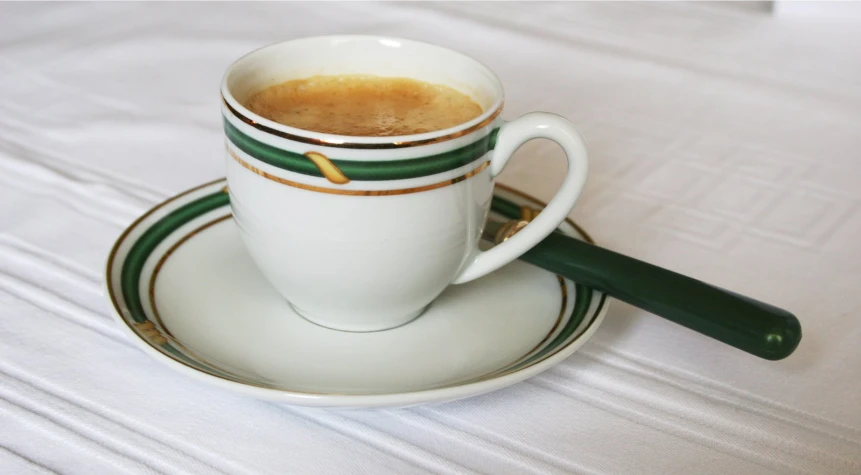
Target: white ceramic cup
x: 362, y: 233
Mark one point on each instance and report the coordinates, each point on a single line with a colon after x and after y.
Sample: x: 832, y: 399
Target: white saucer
x: 186, y: 291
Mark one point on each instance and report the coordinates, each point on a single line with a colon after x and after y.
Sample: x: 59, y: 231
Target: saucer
x: 185, y: 290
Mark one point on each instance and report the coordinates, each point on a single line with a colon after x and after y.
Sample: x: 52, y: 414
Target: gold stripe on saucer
x: 334, y: 191
x: 161, y: 262
x: 150, y: 332
x: 109, y: 267
x: 355, y: 145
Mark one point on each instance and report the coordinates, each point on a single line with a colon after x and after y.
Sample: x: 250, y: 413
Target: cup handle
x: 511, y: 136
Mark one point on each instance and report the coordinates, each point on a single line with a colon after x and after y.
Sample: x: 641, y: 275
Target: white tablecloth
x: 725, y: 144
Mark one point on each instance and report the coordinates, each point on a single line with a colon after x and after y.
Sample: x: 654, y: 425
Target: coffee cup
x: 362, y: 233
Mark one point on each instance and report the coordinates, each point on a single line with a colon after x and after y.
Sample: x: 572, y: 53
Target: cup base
x: 358, y: 328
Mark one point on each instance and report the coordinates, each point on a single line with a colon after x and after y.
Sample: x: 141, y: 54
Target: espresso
x: 364, y: 105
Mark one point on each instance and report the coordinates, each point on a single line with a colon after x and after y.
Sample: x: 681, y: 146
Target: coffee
x: 364, y: 105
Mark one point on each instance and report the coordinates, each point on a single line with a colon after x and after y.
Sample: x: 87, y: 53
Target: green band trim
x: 363, y: 170
x: 141, y: 250
x: 151, y: 238
x: 582, y: 299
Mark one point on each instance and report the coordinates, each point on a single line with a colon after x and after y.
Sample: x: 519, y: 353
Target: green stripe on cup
x: 363, y: 170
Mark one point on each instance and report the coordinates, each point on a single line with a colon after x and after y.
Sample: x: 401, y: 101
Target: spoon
x: 747, y: 324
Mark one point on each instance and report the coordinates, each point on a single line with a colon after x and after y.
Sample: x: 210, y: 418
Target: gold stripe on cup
x: 356, y: 145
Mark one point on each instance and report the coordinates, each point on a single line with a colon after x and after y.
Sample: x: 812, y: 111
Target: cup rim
x: 354, y: 141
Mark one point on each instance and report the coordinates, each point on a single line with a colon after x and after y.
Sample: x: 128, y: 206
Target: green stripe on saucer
x: 151, y: 238
x: 139, y: 253
x: 582, y: 298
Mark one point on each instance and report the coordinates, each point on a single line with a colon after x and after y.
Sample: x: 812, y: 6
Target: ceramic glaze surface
x: 337, y: 256
x: 363, y: 233
x: 186, y: 290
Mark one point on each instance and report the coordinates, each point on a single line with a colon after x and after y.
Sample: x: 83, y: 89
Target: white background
x: 725, y: 144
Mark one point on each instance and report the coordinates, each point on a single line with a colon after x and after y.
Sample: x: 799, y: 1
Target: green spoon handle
x: 747, y: 324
